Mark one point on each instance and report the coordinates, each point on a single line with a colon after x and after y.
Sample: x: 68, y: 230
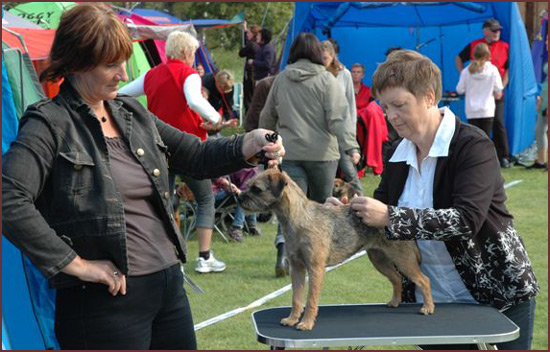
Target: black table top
x: 377, y: 324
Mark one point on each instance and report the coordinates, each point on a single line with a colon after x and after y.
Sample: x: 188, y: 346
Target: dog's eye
x: 255, y: 189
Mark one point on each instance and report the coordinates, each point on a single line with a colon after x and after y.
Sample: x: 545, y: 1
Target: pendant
x: 103, y: 119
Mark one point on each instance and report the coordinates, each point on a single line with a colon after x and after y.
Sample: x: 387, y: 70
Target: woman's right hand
x: 98, y: 271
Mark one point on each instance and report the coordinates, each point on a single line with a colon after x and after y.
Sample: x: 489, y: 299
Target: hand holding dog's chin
x: 371, y: 211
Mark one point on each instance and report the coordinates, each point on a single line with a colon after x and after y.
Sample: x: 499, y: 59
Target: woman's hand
x: 211, y: 127
x: 355, y: 158
x: 255, y: 141
x: 230, y: 123
x: 371, y: 211
x: 98, y: 271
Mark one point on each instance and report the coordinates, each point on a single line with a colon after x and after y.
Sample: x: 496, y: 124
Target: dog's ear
x: 277, y: 183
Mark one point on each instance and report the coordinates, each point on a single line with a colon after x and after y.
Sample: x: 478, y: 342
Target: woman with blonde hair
x: 165, y: 85
x: 442, y: 187
x: 345, y: 81
x: 481, y: 83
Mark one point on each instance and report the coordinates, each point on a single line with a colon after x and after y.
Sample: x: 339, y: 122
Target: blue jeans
x: 315, y: 177
x: 523, y: 315
x: 239, y: 216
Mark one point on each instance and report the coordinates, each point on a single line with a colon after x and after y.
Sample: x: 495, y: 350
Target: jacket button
x: 156, y: 172
x: 140, y: 152
x: 166, y: 195
x: 77, y: 166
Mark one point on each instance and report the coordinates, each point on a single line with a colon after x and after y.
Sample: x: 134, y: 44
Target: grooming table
x: 378, y: 324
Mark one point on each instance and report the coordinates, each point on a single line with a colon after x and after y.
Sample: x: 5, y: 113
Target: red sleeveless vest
x: 164, y: 89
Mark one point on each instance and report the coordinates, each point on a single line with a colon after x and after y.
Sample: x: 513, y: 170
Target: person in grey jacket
x: 307, y: 107
x: 85, y: 194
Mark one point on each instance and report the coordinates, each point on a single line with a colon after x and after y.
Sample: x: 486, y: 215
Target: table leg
x: 486, y: 346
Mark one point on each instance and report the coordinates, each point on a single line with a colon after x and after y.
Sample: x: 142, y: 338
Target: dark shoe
x: 282, y: 266
x: 536, y: 165
x: 505, y: 163
x: 254, y: 231
x: 236, y: 234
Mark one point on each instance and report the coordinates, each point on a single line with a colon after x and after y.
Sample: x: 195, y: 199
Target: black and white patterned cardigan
x: 470, y: 216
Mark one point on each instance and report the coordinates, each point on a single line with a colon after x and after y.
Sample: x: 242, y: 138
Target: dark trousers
x: 500, y: 138
x: 523, y: 315
x: 154, y: 314
x: 486, y: 124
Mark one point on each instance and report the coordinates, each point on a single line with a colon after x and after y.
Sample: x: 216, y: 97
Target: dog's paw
x: 305, y: 325
x: 289, y: 321
x: 394, y: 303
x: 427, y: 309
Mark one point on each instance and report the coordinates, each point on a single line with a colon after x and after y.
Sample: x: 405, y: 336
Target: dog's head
x: 343, y: 190
x: 264, y: 191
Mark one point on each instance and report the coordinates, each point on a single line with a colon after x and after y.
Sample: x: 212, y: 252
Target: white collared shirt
x: 437, y: 264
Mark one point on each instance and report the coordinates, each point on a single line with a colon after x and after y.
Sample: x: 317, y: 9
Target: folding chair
x: 224, y: 212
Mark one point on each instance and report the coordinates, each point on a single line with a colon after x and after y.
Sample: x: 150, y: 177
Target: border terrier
x: 318, y: 235
x: 343, y: 190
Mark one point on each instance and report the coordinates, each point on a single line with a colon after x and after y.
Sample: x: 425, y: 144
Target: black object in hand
x: 272, y: 138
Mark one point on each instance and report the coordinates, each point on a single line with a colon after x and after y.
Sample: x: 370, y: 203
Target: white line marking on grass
x: 266, y: 298
x: 512, y: 184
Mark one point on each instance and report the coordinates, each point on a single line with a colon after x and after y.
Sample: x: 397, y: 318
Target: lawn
x: 250, y: 272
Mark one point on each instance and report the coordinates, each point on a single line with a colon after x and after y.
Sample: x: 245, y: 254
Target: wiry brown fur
x: 317, y: 236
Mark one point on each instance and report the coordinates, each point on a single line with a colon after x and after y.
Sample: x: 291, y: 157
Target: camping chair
x: 224, y: 212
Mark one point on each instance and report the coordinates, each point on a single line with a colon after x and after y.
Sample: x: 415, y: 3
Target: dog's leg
x: 385, y: 266
x: 409, y: 266
x: 316, y: 273
x: 298, y: 277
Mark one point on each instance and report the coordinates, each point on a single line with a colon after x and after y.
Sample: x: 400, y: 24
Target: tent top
x: 401, y: 14
x: 160, y: 17
x: 10, y: 20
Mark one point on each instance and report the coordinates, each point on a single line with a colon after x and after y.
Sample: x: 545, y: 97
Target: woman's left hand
x: 371, y: 211
x: 255, y: 141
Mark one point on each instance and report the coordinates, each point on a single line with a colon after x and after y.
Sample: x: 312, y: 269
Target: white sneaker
x: 210, y: 265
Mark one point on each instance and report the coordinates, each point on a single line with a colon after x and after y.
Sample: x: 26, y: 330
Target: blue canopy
x: 439, y: 30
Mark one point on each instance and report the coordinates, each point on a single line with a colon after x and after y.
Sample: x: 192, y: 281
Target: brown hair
x: 409, y: 70
x: 482, y: 54
x: 306, y: 46
x: 335, y: 66
x: 88, y: 35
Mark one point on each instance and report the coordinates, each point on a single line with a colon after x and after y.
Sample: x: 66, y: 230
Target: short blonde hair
x: 225, y: 78
x: 179, y: 44
x: 409, y: 70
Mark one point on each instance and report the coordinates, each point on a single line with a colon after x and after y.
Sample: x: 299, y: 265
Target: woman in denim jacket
x: 85, y: 194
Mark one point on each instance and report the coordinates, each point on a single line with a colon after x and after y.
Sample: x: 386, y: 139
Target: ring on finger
x: 115, y: 274
x: 276, y: 155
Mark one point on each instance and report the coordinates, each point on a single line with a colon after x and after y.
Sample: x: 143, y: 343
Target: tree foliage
x: 275, y: 16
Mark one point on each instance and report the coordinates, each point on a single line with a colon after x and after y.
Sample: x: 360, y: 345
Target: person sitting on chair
x: 236, y: 183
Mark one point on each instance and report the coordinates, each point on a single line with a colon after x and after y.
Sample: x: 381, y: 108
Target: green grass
x: 250, y: 272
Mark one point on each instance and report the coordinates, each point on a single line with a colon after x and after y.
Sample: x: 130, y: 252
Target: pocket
x: 77, y: 170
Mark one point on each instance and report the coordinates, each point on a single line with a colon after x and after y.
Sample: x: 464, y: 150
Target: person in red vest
x: 173, y: 91
x: 499, y: 57
x: 362, y: 91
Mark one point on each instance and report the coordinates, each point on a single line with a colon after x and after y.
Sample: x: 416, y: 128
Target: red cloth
x: 499, y: 53
x: 165, y: 98
x: 362, y: 97
x: 372, y: 131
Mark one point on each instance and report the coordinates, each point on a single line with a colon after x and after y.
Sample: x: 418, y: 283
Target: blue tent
x: 439, y: 30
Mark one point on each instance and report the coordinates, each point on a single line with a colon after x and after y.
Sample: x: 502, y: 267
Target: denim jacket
x: 58, y: 197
